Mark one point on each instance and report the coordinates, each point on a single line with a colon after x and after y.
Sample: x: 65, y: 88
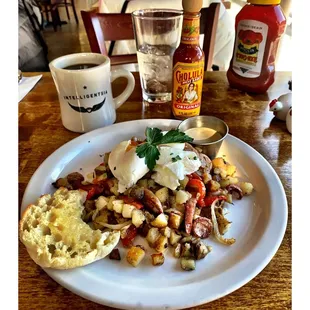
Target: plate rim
x: 203, y: 299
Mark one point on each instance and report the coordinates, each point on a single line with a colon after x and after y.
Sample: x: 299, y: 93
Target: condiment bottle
x: 259, y: 26
x: 188, y: 64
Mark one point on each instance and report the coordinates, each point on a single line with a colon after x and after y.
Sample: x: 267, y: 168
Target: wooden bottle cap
x: 192, y: 6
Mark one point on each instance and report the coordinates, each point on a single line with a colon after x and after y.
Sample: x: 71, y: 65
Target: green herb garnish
x: 154, y: 137
x: 195, y: 157
x: 174, y: 159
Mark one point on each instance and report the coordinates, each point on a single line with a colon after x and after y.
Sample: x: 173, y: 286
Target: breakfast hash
x: 162, y: 188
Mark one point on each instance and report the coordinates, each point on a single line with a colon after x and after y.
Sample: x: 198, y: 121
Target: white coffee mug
x: 85, y: 95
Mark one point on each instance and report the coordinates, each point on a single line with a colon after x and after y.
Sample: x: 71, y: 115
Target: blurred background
x: 52, y: 28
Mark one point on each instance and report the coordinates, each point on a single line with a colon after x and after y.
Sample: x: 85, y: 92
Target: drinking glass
x: 157, y: 34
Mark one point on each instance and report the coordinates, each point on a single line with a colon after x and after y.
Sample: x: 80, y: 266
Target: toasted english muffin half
x: 55, y: 235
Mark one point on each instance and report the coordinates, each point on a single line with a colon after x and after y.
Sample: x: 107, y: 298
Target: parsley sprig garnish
x: 154, y: 137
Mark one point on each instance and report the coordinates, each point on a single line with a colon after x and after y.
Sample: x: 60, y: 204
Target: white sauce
x: 203, y: 133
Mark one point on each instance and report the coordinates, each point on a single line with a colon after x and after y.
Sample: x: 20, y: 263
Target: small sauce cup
x: 208, y: 132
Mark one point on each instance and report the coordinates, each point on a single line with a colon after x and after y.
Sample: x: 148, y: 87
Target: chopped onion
x: 217, y: 234
x: 115, y: 226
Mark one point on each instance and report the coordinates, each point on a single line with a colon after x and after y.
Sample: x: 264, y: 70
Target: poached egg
x: 126, y: 166
x: 172, y: 166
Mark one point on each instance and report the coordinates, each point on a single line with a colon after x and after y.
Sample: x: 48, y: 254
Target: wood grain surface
x: 41, y: 133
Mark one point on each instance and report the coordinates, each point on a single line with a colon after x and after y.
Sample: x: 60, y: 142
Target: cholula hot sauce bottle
x: 188, y: 64
x: 259, y: 26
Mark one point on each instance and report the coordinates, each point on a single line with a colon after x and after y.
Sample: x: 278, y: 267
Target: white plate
x: 259, y: 223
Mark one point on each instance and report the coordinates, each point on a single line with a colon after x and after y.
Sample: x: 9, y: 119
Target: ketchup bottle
x: 188, y: 65
x: 259, y: 26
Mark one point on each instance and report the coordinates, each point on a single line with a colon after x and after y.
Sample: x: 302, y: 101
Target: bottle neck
x: 190, y: 29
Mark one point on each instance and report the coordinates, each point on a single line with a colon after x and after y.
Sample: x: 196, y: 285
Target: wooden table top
x: 41, y: 133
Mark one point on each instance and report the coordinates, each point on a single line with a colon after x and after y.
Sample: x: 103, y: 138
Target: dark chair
x: 51, y: 7
x: 67, y: 4
x: 102, y: 27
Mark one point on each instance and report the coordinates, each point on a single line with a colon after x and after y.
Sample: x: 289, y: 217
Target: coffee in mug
x: 80, y: 66
x: 83, y: 82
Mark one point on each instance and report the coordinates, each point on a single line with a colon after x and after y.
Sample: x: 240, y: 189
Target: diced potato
x: 160, y: 221
x: 223, y: 173
x: 161, y: 244
x: 180, y: 207
x: 90, y: 176
x: 102, y: 202
x: 175, y: 220
x: 246, y: 187
x: 218, y: 162
x: 102, y: 177
x: 229, y: 198
x: 149, y: 217
x: 151, y: 183
x: 162, y: 194
x: 184, y: 182
x: 137, y: 217
x: 186, y: 239
x: 201, y: 250
x: 158, y: 259
x: 216, y: 171
x: 114, y: 188
x: 188, y: 264
x: 213, y: 186
x: 166, y: 231
x: 197, y: 212
x: 101, y: 169
x: 177, y: 251
x: 231, y: 170
x: 118, y: 206
x: 142, y: 183
x: 174, y: 237
x: 127, y: 211
x: 186, y: 250
x: 152, y: 236
x: 182, y: 196
x: 135, y: 255
x: 195, y: 240
x: 110, y: 203
x: 228, y: 180
x: 206, y: 177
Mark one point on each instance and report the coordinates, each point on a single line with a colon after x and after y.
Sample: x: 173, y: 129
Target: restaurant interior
x: 67, y: 27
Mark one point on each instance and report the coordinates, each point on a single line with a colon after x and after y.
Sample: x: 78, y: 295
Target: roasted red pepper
x: 92, y: 189
x: 194, y: 175
x: 132, y: 201
x: 199, y: 187
x: 130, y: 235
x: 210, y: 199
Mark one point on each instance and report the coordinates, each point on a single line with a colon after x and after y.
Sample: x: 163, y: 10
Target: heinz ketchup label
x: 249, y: 49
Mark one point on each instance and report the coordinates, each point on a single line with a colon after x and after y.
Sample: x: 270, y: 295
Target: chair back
x: 102, y: 27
